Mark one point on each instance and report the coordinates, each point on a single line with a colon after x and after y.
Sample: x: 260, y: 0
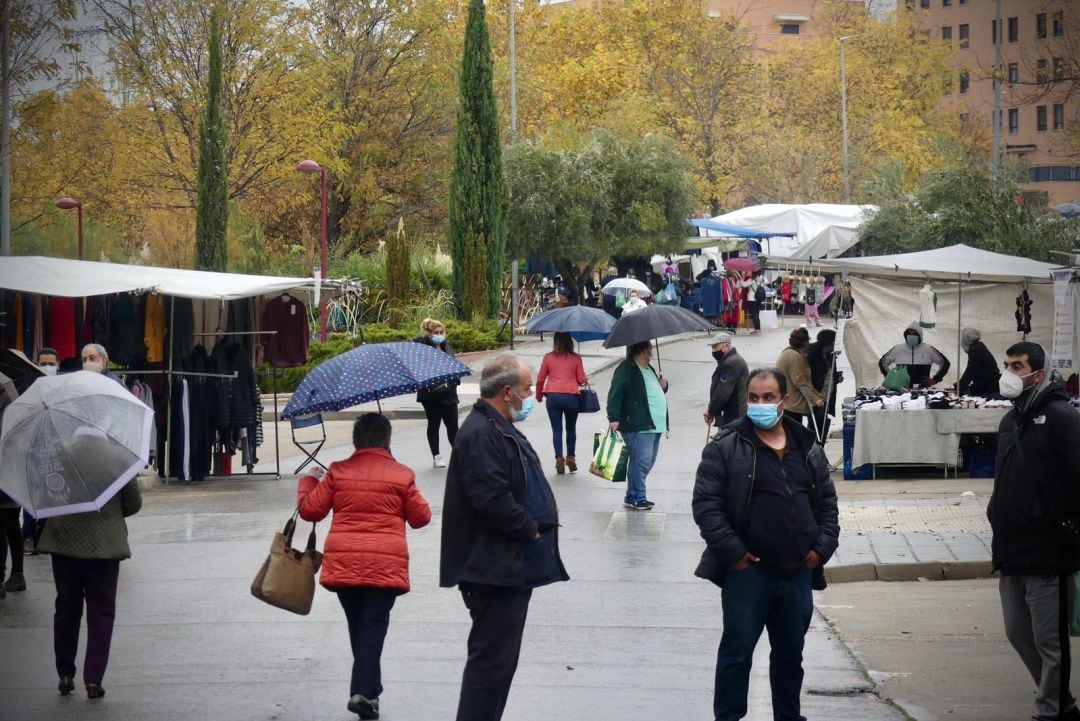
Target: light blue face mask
x: 527, y: 405
x: 438, y: 339
x: 763, y: 415
x: 912, y: 340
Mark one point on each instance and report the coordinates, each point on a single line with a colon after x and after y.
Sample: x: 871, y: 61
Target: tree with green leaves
x: 608, y: 198
x: 212, y: 205
x: 964, y: 204
x: 478, y: 198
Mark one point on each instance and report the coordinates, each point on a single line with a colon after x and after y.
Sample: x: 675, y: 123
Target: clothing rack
x: 234, y: 374
x: 170, y: 373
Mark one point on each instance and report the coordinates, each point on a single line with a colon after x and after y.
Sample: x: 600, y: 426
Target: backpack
x: 811, y: 296
x: 759, y: 294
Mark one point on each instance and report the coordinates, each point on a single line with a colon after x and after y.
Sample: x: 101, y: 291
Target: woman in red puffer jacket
x: 366, y: 557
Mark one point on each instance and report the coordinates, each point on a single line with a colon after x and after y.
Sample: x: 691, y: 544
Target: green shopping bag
x: 609, y: 457
x: 897, y: 379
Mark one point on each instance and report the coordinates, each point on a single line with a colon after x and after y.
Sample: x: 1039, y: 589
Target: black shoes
x: 94, y: 690
x: 364, y: 707
x: 66, y: 685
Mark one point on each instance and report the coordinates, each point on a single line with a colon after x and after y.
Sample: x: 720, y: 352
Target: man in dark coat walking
x: 499, y: 533
x: 1035, y: 516
x: 767, y: 510
x: 981, y: 375
x: 727, y: 392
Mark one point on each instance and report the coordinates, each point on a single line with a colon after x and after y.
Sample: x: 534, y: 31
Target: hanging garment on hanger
x: 62, y: 327
x: 288, y: 316
x: 927, y: 307
x: 125, y: 343
x: 154, y: 329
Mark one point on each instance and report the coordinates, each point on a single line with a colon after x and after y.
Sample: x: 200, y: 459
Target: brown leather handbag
x: 287, y: 576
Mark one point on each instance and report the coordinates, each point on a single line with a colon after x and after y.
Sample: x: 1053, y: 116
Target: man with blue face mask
x: 918, y: 357
x: 766, y: 507
x: 499, y: 533
x: 1035, y: 516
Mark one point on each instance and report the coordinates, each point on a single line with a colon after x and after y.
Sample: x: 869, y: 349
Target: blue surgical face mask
x: 763, y: 415
x: 519, y: 414
x: 912, y: 340
x: 438, y: 339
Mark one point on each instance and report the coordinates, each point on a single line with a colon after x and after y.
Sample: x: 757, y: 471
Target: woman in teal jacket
x: 637, y: 407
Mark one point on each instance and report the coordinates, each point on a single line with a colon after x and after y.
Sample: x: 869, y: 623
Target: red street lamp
x: 310, y: 166
x: 68, y: 204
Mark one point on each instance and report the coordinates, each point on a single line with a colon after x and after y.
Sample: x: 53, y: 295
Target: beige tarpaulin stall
x: 975, y: 288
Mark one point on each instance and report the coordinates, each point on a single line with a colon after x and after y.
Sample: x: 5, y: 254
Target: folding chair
x: 304, y: 443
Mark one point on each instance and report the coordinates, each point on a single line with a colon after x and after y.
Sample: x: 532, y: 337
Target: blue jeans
x: 642, y: 449
x: 559, y: 405
x: 753, y: 601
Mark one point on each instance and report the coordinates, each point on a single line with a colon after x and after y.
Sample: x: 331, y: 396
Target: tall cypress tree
x: 478, y: 198
x: 212, y: 206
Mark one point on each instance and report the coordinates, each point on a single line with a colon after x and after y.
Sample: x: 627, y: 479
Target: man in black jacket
x: 981, y: 375
x: 499, y: 533
x: 767, y: 510
x: 1034, y: 514
x: 727, y: 392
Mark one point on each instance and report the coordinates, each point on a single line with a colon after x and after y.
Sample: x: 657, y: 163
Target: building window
x: 1059, y: 68
x: 965, y: 80
x: 1040, y: 26
x: 965, y: 40
x: 789, y: 28
x: 1041, y: 74
x: 963, y: 2
x: 1054, y: 173
x: 924, y: 4
x: 1014, y: 73
x: 946, y: 32
x: 1014, y: 121
x: 1014, y: 30
x: 1059, y: 24
x: 995, y: 38
x: 946, y: 3
x: 1040, y: 117
x: 1059, y: 116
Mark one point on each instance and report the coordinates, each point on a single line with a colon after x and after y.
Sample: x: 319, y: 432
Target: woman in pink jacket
x: 366, y: 557
x: 559, y: 380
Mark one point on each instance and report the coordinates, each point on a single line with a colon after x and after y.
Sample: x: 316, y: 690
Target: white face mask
x: 48, y: 370
x: 1011, y: 385
x: 93, y: 366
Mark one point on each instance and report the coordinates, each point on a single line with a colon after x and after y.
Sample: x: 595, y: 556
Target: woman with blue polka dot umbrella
x: 370, y: 372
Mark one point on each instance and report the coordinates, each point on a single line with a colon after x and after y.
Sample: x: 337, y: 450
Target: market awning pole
x: 959, y: 328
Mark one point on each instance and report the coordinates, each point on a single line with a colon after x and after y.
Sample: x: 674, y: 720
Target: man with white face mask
x: 96, y: 360
x: 1035, y: 516
x: 47, y: 361
x: 767, y: 510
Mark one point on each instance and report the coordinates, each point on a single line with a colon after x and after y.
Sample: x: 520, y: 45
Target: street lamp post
x: 843, y: 117
x: 68, y: 204
x: 310, y: 166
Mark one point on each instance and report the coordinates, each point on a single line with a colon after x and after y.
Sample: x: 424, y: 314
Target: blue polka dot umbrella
x: 370, y: 372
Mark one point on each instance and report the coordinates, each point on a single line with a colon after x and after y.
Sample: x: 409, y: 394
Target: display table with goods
x: 913, y: 428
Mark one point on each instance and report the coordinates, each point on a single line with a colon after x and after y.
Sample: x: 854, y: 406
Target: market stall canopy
x: 814, y: 229
x: 734, y: 231
x: 80, y: 278
x: 955, y: 262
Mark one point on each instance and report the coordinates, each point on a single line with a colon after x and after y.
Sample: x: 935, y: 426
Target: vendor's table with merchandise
x: 918, y: 437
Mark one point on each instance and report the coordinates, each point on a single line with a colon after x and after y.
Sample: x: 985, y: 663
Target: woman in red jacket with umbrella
x: 366, y: 557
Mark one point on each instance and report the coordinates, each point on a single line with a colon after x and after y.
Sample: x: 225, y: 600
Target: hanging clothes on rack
x: 927, y: 307
x: 288, y: 347
x: 125, y: 342
x: 61, y: 327
x: 154, y: 329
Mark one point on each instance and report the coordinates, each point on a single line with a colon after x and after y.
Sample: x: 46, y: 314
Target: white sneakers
x: 438, y: 462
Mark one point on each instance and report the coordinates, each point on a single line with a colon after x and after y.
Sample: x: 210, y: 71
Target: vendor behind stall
x: 981, y: 375
x: 916, y: 357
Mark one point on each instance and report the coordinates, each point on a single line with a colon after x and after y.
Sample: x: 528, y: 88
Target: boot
x: 571, y: 464
x: 17, y: 582
x: 560, y: 465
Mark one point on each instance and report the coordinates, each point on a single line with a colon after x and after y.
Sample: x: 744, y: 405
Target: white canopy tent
x: 975, y: 288
x: 821, y: 229
x: 81, y: 278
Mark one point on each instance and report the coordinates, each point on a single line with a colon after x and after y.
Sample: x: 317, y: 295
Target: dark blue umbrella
x: 580, y: 321
x: 370, y: 372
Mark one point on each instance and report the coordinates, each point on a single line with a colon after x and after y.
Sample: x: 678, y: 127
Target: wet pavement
x: 633, y: 634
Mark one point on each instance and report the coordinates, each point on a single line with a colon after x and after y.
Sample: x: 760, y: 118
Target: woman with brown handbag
x: 366, y: 556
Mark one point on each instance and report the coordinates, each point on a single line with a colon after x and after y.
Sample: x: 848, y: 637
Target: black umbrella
x: 19, y: 369
x: 655, y: 321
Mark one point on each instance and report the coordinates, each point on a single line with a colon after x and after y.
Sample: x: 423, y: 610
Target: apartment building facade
x: 1040, y: 57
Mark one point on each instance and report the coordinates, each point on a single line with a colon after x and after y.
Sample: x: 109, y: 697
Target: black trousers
x: 11, y: 537
x: 92, y: 581
x: 498, y: 620
x: 367, y: 611
x: 753, y: 308
x: 445, y: 413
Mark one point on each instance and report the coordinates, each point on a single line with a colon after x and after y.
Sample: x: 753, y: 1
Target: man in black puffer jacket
x: 767, y: 510
x: 1035, y: 516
